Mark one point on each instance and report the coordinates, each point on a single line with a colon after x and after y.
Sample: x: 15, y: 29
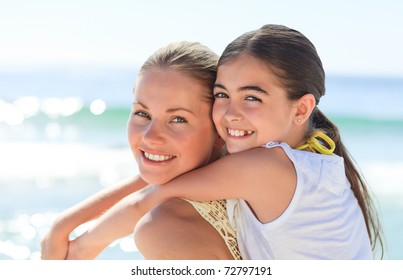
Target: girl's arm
x: 117, y: 222
x: 265, y: 178
x: 55, y: 243
x: 262, y: 177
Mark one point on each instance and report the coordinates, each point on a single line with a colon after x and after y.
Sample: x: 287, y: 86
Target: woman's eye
x: 179, y: 120
x: 142, y: 114
x: 253, y: 98
x: 221, y: 95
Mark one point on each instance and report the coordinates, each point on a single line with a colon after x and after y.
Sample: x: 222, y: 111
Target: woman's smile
x: 157, y: 157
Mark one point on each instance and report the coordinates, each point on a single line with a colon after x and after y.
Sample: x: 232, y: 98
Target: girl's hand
x: 81, y: 249
x: 116, y: 223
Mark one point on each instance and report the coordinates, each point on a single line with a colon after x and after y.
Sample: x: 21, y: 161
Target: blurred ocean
x: 63, y: 138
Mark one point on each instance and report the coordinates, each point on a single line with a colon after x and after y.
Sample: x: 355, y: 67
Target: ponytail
x: 358, y: 185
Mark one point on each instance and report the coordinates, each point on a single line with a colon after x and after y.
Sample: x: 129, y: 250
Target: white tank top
x: 323, y: 220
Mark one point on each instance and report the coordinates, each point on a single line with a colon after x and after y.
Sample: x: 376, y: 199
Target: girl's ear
x: 305, y: 106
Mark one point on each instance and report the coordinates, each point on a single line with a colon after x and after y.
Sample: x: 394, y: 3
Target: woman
x: 170, y: 132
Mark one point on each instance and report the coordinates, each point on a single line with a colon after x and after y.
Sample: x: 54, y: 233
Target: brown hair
x: 295, y: 62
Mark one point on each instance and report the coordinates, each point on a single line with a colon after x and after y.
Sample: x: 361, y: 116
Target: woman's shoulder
x: 175, y: 230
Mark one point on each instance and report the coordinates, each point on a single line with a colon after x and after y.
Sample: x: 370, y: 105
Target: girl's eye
x: 142, y: 114
x: 179, y: 120
x: 220, y: 95
x: 253, y: 98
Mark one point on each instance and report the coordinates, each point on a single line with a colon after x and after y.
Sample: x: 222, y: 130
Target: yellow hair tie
x: 314, y: 145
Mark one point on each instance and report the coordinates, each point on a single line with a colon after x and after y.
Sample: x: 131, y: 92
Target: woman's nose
x: 154, y: 133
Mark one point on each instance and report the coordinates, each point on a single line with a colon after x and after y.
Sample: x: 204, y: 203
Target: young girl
x: 292, y: 189
x: 171, y: 114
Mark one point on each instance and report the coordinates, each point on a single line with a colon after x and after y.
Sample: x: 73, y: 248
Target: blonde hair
x: 190, y: 58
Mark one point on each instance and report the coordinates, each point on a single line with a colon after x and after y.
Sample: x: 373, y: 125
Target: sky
x: 362, y: 37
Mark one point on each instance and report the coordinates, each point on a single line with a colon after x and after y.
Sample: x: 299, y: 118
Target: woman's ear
x: 305, y: 106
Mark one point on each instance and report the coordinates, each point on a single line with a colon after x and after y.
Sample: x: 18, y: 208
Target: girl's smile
x: 238, y: 133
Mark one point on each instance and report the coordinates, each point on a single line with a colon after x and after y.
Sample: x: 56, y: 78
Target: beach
x: 63, y: 138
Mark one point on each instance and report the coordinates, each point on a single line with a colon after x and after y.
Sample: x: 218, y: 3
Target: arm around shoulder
x: 259, y: 176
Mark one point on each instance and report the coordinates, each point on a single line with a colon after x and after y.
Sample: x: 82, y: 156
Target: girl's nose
x: 233, y: 113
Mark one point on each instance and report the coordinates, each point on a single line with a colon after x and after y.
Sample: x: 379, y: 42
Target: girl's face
x: 170, y: 129
x: 251, y: 108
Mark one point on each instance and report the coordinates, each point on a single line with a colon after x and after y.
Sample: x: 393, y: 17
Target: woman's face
x: 170, y: 129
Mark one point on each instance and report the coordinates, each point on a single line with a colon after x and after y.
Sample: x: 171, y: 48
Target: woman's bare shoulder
x: 175, y: 230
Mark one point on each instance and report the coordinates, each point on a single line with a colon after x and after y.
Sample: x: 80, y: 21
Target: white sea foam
x: 41, y: 161
x: 384, y: 177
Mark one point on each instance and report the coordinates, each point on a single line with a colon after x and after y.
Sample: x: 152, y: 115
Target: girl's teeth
x: 237, y: 133
x: 157, y: 157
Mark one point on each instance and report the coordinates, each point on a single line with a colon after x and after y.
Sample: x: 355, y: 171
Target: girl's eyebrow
x: 244, y: 88
x: 254, y: 88
x: 219, y: 86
